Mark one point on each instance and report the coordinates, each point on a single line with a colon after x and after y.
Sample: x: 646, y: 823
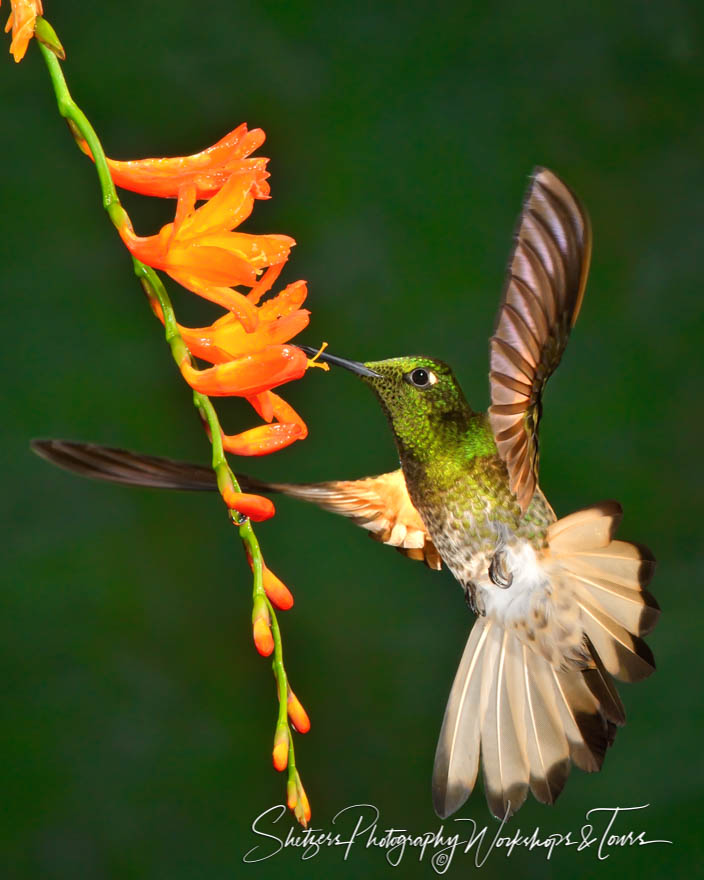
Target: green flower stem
x: 279, y: 674
x: 156, y: 293
x: 71, y: 111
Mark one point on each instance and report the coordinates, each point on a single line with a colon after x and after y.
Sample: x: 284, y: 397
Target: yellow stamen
x: 314, y: 362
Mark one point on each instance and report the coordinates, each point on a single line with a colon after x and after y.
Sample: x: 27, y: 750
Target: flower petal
x: 262, y: 440
x: 22, y: 22
x: 232, y: 339
x: 199, y: 268
x: 290, y: 298
x: 250, y: 374
x: 226, y: 210
x: 208, y: 170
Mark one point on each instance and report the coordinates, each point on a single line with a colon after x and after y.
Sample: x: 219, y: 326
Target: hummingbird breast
x: 477, y: 526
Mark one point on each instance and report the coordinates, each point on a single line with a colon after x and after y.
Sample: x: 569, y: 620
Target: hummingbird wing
x: 381, y: 504
x: 545, y: 285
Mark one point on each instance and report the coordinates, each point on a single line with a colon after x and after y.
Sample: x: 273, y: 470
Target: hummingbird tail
x: 608, y: 579
x: 530, y: 712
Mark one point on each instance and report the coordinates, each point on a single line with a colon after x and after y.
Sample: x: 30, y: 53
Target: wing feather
x: 543, y: 294
x: 381, y: 505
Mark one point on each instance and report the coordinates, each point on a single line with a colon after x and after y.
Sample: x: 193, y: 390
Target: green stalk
x: 156, y: 292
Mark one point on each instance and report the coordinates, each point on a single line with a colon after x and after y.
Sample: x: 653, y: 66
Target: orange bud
x: 302, y: 808
x: 263, y: 639
x: 297, y: 714
x: 280, y: 753
x: 276, y: 590
x: 253, y: 506
x: 291, y: 794
x: 297, y: 801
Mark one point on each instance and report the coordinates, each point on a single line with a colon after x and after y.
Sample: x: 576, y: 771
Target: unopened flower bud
x: 291, y: 794
x: 278, y: 593
x: 297, y: 714
x: 302, y: 809
x: 280, y: 753
x: 261, y: 627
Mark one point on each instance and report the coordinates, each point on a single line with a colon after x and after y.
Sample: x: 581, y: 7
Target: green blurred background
x: 137, y: 717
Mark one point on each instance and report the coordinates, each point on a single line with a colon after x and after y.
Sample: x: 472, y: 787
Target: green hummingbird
x: 561, y: 605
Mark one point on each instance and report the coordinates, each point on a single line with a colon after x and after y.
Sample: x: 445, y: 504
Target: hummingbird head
x: 421, y: 398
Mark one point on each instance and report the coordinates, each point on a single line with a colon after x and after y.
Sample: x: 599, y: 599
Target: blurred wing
x: 379, y: 504
x: 127, y: 468
x: 544, y: 289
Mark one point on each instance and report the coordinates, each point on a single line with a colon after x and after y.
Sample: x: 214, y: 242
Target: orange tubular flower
x: 226, y: 341
x: 200, y: 251
x: 22, y: 21
x: 250, y: 374
x: 207, y: 171
x: 279, y: 319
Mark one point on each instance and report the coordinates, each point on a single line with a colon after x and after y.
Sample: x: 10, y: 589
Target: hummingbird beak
x: 352, y: 366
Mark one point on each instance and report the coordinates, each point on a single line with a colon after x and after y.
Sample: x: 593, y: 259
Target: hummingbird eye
x: 421, y: 378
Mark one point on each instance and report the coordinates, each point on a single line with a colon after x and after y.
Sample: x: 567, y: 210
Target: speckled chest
x: 470, y: 513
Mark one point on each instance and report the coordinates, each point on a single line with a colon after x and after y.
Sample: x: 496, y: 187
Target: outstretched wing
x: 127, y: 468
x: 544, y: 289
x: 379, y: 504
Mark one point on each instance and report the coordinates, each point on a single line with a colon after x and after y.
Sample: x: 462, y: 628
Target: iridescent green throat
x: 434, y: 427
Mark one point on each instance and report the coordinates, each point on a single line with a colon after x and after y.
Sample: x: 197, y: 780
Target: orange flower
x: 22, y: 20
x: 226, y: 341
x: 207, y: 171
x: 268, y: 438
x: 200, y: 251
x: 248, y: 375
x: 278, y: 320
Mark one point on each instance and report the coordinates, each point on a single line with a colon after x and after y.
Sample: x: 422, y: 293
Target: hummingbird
x: 561, y: 605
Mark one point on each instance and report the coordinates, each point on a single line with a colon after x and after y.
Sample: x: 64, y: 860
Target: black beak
x: 352, y: 366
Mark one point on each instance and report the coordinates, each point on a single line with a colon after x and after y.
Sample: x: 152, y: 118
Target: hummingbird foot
x: 499, y: 572
x: 473, y: 599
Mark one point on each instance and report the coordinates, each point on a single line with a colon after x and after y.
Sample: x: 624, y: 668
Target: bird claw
x: 499, y: 572
x: 473, y: 600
